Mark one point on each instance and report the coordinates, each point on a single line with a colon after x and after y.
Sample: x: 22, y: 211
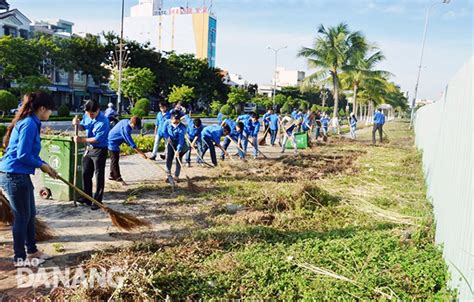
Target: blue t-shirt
x: 110, y: 112
x: 22, y: 153
x: 191, y: 130
x: 160, y: 121
x: 251, y: 128
x: 175, y: 134
x: 213, y: 132
x: 379, y: 118
x: 265, y: 118
x: 234, y: 134
x: 325, y: 121
x: 97, y: 128
x: 121, y: 133
x: 273, y: 119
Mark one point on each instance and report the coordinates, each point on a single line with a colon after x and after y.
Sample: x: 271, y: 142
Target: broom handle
x: 176, y: 155
x: 266, y: 157
x: 197, y: 153
x: 238, y: 147
x: 82, y: 193
x: 76, y: 159
x: 266, y: 131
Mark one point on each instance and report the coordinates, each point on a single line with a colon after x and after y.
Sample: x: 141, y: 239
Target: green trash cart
x: 301, y: 141
x: 58, y: 152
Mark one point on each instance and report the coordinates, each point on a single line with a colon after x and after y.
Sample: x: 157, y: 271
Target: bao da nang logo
x: 52, y: 277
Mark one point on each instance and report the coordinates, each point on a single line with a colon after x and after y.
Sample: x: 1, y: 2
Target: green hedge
x: 144, y: 143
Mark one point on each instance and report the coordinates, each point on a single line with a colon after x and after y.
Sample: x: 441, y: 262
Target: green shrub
x: 314, y: 108
x: 63, y: 110
x: 144, y: 143
x: 8, y: 101
x: 142, y: 107
x: 149, y: 126
x: 286, y: 108
x: 226, y: 109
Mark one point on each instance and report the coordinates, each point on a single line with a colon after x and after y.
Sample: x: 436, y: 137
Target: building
x: 178, y: 29
x: 14, y: 23
x: 233, y: 79
x: 59, y: 27
x: 291, y: 78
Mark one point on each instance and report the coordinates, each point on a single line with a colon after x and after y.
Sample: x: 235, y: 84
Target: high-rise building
x: 178, y: 29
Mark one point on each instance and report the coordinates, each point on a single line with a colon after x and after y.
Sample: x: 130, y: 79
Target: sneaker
x: 29, y: 262
x: 94, y: 207
x: 40, y: 255
x: 153, y: 157
x: 84, y: 201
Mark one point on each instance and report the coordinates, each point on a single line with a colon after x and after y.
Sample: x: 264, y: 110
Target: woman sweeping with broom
x: 22, y: 143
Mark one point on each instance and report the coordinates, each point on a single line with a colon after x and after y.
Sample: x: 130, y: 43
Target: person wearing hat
x: 122, y: 133
x: 111, y: 115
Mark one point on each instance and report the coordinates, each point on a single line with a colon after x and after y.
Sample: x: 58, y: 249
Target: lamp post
x: 427, y: 17
x: 120, y: 61
x: 275, y: 71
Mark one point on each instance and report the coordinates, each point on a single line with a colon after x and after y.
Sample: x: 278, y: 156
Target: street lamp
x: 428, y: 11
x: 275, y: 72
x: 120, y: 61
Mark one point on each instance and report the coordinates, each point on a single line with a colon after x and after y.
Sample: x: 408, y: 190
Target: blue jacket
x: 251, y: 128
x: 233, y: 131
x: 191, y: 130
x: 273, y: 119
x: 325, y: 121
x: 110, y: 112
x: 213, y: 132
x: 243, y: 118
x: 97, y: 128
x: 160, y: 121
x: 121, y: 133
x: 265, y: 118
x: 379, y: 118
x: 306, y: 122
x: 353, y: 122
x: 22, y: 154
x: 175, y: 134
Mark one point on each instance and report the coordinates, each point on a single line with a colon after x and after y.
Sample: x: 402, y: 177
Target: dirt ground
x: 80, y: 231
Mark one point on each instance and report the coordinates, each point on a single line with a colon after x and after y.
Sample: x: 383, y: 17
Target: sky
x: 246, y: 27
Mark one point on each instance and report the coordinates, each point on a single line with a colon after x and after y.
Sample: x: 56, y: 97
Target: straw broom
x: 191, y: 186
x: 261, y: 141
x: 122, y: 221
x: 42, y: 231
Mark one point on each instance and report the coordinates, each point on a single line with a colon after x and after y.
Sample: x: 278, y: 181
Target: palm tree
x: 373, y: 93
x: 361, y: 69
x: 330, y: 55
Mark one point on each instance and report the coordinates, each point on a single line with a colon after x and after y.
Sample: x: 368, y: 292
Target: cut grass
x: 365, y: 234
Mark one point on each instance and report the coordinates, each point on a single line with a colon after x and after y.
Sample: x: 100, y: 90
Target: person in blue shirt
x: 307, y: 122
x: 379, y: 121
x: 193, y: 130
x: 220, y: 117
x: 236, y: 133
x: 97, y: 129
x: 353, y: 125
x: 211, y: 136
x: 22, y: 145
x: 273, y: 122
x: 122, y: 133
x: 266, y: 124
x: 174, y: 132
x: 161, y: 118
x: 294, y: 114
x: 325, y: 125
x: 317, y: 122
x: 289, y: 127
x: 251, y: 129
x: 111, y: 115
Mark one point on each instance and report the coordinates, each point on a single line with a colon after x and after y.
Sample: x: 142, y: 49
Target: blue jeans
x: 273, y: 136
x: 198, y: 148
x: 20, y: 193
x: 226, y: 144
x: 156, y: 144
x: 170, y: 156
x: 254, y: 142
x: 318, y: 132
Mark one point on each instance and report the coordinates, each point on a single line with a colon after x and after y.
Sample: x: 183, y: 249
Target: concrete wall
x: 444, y: 132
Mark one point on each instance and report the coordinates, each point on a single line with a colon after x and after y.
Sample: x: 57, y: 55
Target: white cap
x: 110, y: 105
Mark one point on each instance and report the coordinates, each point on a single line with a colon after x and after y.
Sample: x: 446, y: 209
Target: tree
x: 237, y: 97
x: 330, y: 54
x: 362, y: 68
x: 183, y: 93
x: 32, y: 83
x: 18, y: 58
x: 280, y: 99
x: 8, y: 101
x: 226, y: 109
x: 136, y: 83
